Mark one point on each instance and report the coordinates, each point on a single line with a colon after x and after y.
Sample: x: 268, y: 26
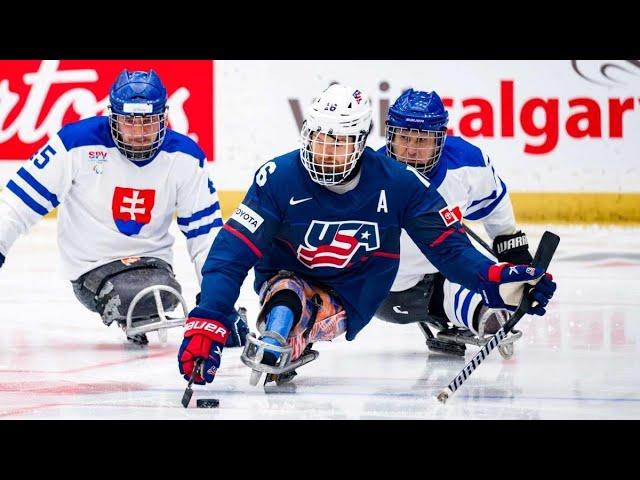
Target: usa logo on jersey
x: 333, y: 244
x: 132, y: 209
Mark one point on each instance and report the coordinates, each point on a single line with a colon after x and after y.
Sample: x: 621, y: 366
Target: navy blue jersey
x: 348, y: 243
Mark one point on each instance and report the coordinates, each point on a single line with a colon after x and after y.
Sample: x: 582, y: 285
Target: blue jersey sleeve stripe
x: 488, y: 197
x: 30, y: 202
x: 212, y: 189
x: 483, y: 212
x: 204, y: 229
x: 38, y: 187
x: 456, y: 299
x: 200, y: 214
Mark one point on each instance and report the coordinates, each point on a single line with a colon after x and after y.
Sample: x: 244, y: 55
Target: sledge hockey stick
x: 473, y: 235
x: 544, y: 254
x: 188, y: 392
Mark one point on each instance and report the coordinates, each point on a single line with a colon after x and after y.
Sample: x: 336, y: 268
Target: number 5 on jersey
x: 43, y: 157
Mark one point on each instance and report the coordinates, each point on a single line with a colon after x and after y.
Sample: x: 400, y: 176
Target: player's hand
x: 239, y: 326
x: 512, y: 248
x: 504, y: 287
x: 203, y: 338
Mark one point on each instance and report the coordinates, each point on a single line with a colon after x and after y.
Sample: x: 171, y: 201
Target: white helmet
x: 334, y: 133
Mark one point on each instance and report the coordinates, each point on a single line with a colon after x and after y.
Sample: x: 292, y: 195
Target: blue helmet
x: 416, y: 129
x: 138, y: 107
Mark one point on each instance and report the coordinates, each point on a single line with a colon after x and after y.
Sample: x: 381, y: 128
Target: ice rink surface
x: 580, y: 361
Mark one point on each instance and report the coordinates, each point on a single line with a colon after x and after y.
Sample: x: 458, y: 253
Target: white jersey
x: 466, y: 179
x: 110, y: 207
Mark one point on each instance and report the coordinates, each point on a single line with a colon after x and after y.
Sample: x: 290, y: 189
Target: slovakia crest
x: 132, y: 209
x: 333, y: 244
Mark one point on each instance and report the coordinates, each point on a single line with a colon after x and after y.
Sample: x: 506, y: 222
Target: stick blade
x: 186, y: 398
x: 546, y: 249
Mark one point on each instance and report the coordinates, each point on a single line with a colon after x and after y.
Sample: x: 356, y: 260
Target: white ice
x: 580, y: 361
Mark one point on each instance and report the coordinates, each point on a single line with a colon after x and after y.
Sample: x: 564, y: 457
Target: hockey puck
x: 207, y: 403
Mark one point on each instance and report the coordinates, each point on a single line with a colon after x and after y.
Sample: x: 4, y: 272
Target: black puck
x: 208, y: 403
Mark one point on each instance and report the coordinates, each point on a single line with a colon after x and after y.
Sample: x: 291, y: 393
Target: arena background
x: 563, y: 134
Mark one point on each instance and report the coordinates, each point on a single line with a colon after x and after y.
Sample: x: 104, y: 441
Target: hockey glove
x: 239, y: 326
x: 512, y: 248
x: 504, y: 286
x: 203, y: 338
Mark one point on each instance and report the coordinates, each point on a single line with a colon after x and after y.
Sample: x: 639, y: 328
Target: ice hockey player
x: 322, y: 226
x: 416, y: 134
x: 117, y: 181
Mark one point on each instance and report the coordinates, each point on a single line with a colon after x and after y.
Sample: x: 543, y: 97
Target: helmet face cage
x: 419, y: 148
x: 329, y: 157
x: 138, y: 136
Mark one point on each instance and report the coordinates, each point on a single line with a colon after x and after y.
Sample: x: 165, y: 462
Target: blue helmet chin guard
x: 137, y: 114
x: 416, y: 129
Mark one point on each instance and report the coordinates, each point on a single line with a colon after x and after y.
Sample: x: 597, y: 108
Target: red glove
x: 203, y: 338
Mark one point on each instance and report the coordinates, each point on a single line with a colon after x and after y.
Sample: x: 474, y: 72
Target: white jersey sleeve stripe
x: 203, y: 230
x: 28, y: 201
x: 203, y: 222
x: 483, y: 212
x: 205, y: 212
x: 491, y: 196
x: 38, y: 187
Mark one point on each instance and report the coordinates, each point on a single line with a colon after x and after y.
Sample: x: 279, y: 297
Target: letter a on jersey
x: 132, y: 209
x: 382, y: 202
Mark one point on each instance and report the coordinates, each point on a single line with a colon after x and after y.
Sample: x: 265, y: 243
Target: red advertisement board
x: 38, y: 97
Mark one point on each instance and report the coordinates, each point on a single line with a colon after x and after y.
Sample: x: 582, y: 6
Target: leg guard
x: 472, y: 321
x: 135, y: 294
x: 317, y: 316
x: 408, y: 306
x: 412, y: 305
x: 321, y: 318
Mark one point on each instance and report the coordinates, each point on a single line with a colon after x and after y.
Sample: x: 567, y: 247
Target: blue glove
x: 1, y: 259
x: 504, y: 286
x: 239, y: 328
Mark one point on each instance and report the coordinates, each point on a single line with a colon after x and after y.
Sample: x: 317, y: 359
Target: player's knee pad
x: 283, y: 289
x: 84, y: 295
x: 318, y: 313
x: 119, y: 283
